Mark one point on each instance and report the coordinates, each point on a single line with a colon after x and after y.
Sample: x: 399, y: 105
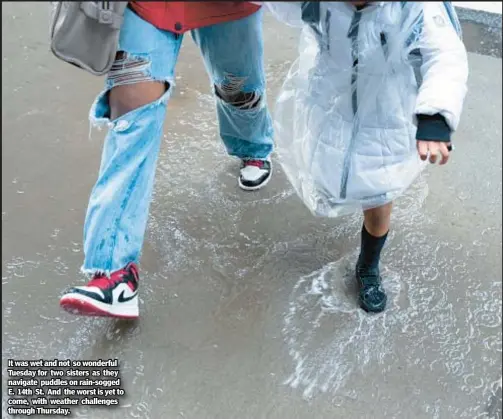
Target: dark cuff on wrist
x: 432, y: 128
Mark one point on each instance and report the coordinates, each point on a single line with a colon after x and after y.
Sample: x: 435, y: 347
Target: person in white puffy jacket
x: 376, y: 92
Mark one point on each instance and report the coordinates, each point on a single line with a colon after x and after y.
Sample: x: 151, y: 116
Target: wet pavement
x: 247, y: 304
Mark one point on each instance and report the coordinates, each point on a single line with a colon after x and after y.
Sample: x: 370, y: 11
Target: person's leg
x: 133, y: 106
x: 233, y: 54
x: 374, y: 233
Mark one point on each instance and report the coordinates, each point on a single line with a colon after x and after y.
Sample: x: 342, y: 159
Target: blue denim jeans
x: 118, y: 207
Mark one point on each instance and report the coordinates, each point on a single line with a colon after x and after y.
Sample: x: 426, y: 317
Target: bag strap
x: 105, y: 16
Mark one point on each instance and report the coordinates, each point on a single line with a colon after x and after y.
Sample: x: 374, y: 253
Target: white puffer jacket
x: 345, y: 119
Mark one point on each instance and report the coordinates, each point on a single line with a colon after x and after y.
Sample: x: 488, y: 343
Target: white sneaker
x: 254, y: 174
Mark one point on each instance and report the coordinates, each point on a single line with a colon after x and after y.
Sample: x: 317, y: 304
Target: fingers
x: 444, y: 151
x: 422, y: 149
x: 434, y: 149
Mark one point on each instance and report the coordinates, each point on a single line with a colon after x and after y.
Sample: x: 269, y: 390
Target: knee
x: 231, y: 92
x: 134, y: 87
x: 126, y: 98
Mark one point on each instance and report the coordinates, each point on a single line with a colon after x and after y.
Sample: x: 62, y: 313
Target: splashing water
x: 339, y: 350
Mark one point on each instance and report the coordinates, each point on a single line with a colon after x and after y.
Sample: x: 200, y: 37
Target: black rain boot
x: 371, y: 294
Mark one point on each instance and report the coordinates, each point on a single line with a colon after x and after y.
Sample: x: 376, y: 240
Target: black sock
x: 371, y: 247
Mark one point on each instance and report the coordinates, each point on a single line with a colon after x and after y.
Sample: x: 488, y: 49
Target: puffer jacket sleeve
x: 289, y: 12
x: 444, y: 66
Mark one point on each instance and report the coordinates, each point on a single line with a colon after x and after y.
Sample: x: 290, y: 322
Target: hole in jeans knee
x: 127, y: 98
x: 133, y: 84
x: 231, y: 91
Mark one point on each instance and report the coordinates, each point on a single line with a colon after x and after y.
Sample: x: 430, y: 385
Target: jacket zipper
x: 353, y: 34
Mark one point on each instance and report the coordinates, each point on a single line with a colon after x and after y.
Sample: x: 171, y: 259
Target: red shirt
x: 180, y: 17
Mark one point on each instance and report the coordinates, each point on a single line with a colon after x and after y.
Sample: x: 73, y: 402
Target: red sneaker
x: 114, y: 296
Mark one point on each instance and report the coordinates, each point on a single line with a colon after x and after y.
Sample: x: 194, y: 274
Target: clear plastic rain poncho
x: 345, y: 120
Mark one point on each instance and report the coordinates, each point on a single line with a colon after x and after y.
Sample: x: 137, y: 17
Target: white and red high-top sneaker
x: 113, y: 296
x: 254, y: 174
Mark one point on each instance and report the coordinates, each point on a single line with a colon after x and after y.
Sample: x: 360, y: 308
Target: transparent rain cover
x: 344, y: 120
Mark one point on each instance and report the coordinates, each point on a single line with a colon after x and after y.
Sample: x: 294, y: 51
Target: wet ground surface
x: 247, y: 305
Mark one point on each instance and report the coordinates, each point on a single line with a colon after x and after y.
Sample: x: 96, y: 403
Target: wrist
x: 432, y: 128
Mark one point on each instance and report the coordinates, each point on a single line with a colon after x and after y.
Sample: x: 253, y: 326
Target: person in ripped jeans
x: 133, y: 105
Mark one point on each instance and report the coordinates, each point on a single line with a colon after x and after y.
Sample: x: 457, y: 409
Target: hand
x: 433, y: 148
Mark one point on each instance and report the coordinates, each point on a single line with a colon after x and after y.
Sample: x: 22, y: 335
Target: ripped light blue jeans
x: 118, y: 209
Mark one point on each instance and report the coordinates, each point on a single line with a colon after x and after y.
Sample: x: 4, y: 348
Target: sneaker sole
x: 82, y: 305
x: 255, y: 188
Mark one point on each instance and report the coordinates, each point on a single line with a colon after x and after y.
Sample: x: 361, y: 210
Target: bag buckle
x: 105, y: 17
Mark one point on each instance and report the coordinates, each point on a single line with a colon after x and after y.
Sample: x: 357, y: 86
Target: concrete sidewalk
x: 246, y: 301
